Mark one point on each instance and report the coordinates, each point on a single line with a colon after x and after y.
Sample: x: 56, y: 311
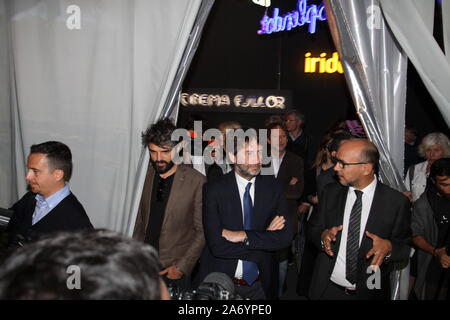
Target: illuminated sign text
x: 305, y: 14
x: 322, y: 64
x: 239, y: 100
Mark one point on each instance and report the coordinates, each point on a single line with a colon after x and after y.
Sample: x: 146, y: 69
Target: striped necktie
x: 354, y: 226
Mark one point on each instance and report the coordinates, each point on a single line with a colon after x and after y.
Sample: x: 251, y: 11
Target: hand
x: 276, y: 224
x: 380, y: 249
x: 444, y: 259
x: 293, y: 181
x: 303, y: 208
x: 172, y: 272
x: 329, y: 236
x: 234, y: 236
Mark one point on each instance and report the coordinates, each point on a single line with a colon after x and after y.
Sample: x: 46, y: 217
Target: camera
x: 216, y: 286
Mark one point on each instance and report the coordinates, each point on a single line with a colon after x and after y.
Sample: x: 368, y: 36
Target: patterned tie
x: 250, y: 269
x: 353, y: 239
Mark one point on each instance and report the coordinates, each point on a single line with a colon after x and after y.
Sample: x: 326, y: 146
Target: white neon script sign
x: 305, y: 14
x: 264, y: 3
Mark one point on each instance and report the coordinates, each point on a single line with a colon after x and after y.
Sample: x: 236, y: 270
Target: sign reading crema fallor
x: 235, y: 100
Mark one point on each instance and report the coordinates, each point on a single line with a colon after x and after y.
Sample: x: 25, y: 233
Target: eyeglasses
x: 160, y: 190
x: 343, y: 164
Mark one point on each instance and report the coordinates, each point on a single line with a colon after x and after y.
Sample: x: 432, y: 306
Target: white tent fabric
x: 446, y: 27
x: 7, y: 183
x: 94, y: 77
x: 375, y: 69
x: 417, y: 40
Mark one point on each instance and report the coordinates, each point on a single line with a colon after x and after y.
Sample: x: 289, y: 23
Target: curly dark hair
x: 110, y: 267
x: 160, y: 134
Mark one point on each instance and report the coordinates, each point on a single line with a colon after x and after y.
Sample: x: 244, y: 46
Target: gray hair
x: 434, y: 138
x: 299, y: 115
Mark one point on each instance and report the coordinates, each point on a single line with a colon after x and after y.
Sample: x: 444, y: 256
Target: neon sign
x: 264, y: 3
x: 305, y: 14
x: 331, y: 65
x: 239, y: 100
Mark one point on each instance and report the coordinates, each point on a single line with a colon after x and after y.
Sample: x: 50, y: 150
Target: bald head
x: 363, y: 150
x: 357, y: 162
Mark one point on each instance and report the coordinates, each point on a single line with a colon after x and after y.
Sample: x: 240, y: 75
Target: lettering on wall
x: 238, y: 100
x: 323, y: 64
x: 304, y: 14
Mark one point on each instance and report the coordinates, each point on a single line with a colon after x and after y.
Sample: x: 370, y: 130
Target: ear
x: 59, y: 174
x: 369, y: 169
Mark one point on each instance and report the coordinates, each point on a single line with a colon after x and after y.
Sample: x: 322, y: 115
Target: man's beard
x: 246, y: 172
x: 163, y: 169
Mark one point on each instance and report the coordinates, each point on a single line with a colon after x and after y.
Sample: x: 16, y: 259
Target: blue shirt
x: 44, y: 206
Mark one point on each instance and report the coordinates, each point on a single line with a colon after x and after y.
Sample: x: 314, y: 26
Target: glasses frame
x: 343, y: 164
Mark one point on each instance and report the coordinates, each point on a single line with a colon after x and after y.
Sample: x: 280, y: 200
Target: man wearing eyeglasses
x: 170, y: 211
x: 361, y: 226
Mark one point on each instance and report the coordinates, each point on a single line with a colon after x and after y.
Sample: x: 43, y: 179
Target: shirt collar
x: 55, y: 198
x: 242, y: 181
x: 368, y: 190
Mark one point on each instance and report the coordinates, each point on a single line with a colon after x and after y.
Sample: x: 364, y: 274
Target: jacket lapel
x: 235, y: 201
x: 176, y: 192
x: 371, y: 224
x: 339, y: 216
x: 258, y: 201
x: 282, y: 172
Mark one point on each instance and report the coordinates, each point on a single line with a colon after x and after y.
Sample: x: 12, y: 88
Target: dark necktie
x: 250, y: 269
x: 353, y: 239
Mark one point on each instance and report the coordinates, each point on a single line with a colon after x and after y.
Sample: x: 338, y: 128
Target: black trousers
x: 332, y: 292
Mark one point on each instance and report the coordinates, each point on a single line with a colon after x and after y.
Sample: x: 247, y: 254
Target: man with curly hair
x: 170, y: 211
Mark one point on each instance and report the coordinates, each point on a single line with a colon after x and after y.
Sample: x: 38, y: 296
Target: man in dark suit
x: 299, y: 142
x: 170, y: 211
x: 361, y: 226
x: 50, y: 205
x: 245, y: 219
x: 287, y: 168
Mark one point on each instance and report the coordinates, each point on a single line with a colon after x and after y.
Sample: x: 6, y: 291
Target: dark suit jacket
x: 222, y: 209
x: 181, y: 240
x: 68, y: 215
x: 301, y: 146
x: 292, y: 166
x: 389, y: 218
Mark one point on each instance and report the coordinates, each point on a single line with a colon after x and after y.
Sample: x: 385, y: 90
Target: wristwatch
x: 246, y: 241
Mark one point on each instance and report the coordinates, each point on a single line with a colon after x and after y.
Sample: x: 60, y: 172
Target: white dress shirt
x: 242, y: 184
x: 276, y: 163
x: 338, y: 275
x: 44, y: 206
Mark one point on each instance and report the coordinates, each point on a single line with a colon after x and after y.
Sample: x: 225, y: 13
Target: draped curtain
x: 94, y: 75
x: 411, y: 22
x: 375, y: 69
